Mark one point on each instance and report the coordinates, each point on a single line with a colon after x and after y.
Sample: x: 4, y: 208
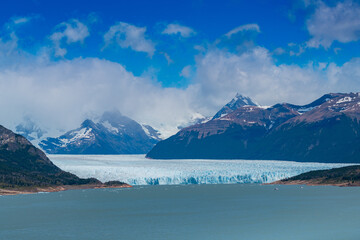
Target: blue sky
x: 188, y: 56
x: 280, y: 22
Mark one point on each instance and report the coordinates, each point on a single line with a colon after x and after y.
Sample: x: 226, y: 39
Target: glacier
x: 137, y: 170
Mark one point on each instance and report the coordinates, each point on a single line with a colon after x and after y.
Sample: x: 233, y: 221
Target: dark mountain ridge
x: 326, y: 130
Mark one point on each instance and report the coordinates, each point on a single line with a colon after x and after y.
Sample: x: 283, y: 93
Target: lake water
x: 137, y: 170
x: 226, y: 211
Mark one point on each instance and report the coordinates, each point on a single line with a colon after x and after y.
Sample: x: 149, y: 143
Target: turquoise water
x: 239, y: 211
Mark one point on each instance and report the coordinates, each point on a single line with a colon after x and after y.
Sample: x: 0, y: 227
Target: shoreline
x: 32, y: 190
x: 313, y: 183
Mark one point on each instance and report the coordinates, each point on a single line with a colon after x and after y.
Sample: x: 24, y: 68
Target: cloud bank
x: 338, y: 23
x: 221, y: 74
x: 59, y: 94
x: 64, y: 93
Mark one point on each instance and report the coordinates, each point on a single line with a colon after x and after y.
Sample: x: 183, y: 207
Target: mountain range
x: 326, y: 130
x: 26, y: 169
x: 112, y: 134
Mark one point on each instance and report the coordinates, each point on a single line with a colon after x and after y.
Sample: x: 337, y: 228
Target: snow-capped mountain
x: 30, y: 130
x: 112, y: 134
x: 326, y: 130
x: 237, y: 102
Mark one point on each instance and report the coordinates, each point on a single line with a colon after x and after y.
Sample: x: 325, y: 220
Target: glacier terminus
x: 138, y: 170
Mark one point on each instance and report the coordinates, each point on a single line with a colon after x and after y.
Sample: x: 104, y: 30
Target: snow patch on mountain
x: 304, y: 110
x: 151, y: 132
x: 145, y: 130
x: 82, y: 134
x: 344, y: 99
x: 110, y: 127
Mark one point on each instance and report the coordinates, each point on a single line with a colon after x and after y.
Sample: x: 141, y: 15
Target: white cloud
x: 20, y: 20
x: 59, y: 95
x: 50, y: 92
x: 73, y: 31
x: 10, y: 53
x: 130, y: 36
x: 186, y: 71
x: 337, y: 50
x: 246, y: 27
x: 346, y: 77
x: 338, y: 23
x: 167, y: 57
x: 296, y: 50
x: 292, y: 49
x: 179, y: 29
x: 16, y: 21
x: 220, y: 75
x: 9, y: 47
x: 279, y: 51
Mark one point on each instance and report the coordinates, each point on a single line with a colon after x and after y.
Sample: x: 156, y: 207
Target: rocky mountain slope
x: 326, y: 130
x: 344, y: 176
x: 112, y: 134
x: 24, y: 166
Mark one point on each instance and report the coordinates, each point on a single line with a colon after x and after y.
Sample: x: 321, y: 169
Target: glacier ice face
x: 137, y: 170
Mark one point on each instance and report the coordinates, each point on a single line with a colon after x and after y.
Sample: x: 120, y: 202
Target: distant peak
x: 87, y: 123
x: 237, y: 102
x: 240, y: 100
x: 238, y: 95
x: 111, y: 114
x: 244, y: 98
